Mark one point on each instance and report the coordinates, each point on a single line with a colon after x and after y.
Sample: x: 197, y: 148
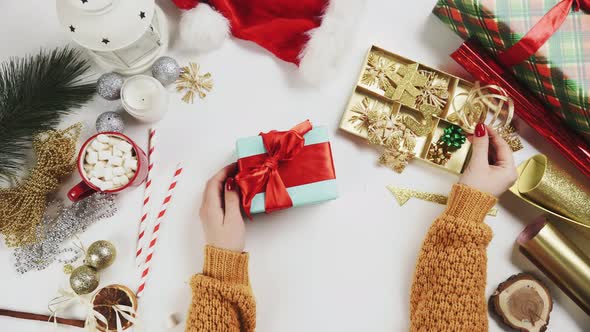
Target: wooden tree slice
x: 523, y: 303
x: 108, y: 296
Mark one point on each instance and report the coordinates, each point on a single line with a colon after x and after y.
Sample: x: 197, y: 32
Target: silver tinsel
x: 166, y: 70
x: 110, y: 121
x: 109, y: 86
x: 60, y: 224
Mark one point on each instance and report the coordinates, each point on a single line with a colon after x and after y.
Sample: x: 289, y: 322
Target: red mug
x: 85, y: 188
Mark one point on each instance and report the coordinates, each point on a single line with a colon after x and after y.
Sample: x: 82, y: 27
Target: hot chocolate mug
x: 86, y: 188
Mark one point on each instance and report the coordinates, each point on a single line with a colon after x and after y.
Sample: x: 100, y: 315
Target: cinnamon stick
x: 44, y: 318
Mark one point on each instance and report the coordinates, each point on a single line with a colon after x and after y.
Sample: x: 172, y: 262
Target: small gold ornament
x: 438, y: 154
x: 84, y: 279
x: 368, y: 115
x: 397, y: 140
x: 435, y: 91
x: 378, y: 70
x: 68, y: 269
x: 510, y: 135
x: 399, y: 145
x: 424, y: 127
x: 395, y: 159
x: 191, y: 83
x: 101, y: 254
x: 407, y: 80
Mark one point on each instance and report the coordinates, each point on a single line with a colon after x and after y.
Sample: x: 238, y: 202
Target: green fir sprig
x: 35, y: 91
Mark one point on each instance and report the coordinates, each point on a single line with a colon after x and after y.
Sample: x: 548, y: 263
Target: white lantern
x: 124, y: 36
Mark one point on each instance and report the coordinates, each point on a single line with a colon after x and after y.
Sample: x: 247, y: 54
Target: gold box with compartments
x: 376, y: 91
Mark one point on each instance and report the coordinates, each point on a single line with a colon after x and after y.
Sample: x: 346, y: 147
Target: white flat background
x: 345, y: 265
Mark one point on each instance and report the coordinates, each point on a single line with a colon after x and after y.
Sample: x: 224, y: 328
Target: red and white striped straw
x: 154, y: 240
x: 146, y: 199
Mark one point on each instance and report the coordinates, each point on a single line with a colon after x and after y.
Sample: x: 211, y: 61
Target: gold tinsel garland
x: 379, y: 68
x: 22, y: 207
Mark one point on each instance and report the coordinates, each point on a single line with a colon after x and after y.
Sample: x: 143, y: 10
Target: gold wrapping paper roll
x: 564, y: 263
x: 553, y: 190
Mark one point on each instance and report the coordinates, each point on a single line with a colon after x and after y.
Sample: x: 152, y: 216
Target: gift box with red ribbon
x: 282, y: 169
x: 538, y: 51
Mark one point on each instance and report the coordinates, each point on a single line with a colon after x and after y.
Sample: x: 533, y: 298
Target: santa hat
x: 312, y: 34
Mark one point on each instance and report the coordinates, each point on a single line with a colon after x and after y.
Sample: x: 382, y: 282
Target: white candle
x: 144, y: 98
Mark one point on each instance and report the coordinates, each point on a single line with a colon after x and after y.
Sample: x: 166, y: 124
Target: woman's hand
x: 220, y: 212
x: 491, y: 168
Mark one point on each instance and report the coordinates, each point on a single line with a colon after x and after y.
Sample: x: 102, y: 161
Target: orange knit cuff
x: 469, y: 204
x: 226, y: 265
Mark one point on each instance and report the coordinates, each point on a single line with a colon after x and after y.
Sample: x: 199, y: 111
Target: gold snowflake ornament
x: 397, y: 140
x: 192, y: 83
x: 378, y: 70
x: 435, y: 92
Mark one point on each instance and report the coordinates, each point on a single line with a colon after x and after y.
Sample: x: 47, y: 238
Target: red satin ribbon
x: 271, y: 174
x: 540, y: 33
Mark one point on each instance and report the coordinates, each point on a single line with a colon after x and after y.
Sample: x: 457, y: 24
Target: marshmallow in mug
x: 110, y: 162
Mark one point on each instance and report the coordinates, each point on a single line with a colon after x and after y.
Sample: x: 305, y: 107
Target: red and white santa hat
x: 312, y: 34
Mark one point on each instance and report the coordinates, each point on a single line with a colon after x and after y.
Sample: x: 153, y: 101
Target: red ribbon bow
x: 528, y: 45
x: 280, y: 146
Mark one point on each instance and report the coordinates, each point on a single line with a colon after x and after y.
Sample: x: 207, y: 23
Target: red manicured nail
x: 230, y: 184
x: 480, y: 130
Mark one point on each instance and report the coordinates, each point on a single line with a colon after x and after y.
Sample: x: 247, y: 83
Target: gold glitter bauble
x: 84, y: 279
x: 101, y: 254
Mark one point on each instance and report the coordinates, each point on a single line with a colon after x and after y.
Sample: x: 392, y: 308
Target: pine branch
x: 35, y: 91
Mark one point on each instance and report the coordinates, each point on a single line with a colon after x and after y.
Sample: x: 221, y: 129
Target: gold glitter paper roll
x: 551, y: 189
x: 564, y: 263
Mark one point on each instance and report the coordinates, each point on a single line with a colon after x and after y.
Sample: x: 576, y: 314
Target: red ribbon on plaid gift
x: 299, y: 164
x: 528, y: 45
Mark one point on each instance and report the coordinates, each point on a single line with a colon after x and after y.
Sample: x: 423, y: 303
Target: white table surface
x: 344, y: 265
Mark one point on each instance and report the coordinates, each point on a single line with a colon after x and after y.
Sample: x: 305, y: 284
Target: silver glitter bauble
x: 109, y: 86
x: 166, y: 70
x: 101, y: 254
x: 110, y: 121
x: 84, y: 279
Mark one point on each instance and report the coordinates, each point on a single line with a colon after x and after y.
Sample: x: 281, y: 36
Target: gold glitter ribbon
x: 560, y: 259
x: 22, y: 207
x: 546, y: 186
x: 478, y: 103
x: 403, y: 195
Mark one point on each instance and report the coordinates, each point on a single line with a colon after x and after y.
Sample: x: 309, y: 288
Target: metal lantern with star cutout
x: 124, y: 36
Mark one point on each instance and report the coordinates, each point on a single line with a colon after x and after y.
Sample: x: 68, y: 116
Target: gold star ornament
x: 192, y: 83
x: 407, y: 81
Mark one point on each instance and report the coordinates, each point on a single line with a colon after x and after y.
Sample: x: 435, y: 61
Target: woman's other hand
x: 220, y: 212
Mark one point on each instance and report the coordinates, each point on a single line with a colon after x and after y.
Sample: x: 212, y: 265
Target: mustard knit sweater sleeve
x: 448, y: 290
x: 222, y: 297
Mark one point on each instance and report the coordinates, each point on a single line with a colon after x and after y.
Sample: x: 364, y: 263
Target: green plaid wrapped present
x: 559, y: 72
